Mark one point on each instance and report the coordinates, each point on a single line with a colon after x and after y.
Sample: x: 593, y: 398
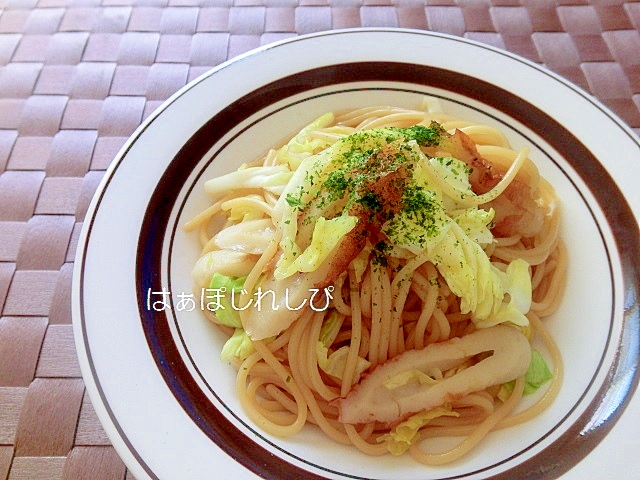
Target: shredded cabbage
x: 475, y: 222
x: 409, y: 376
x: 453, y: 171
x: 431, y: 219
x: 230, y: 262
x: 334, y: 363
x: 290, y: 204
x: 480, y: 285
x: 225, y: 312
x: 239, y: 345
x: 326, y: 235
x: 454, y: 240
x: 242, y: 212
x: 303, y: 144
x: 272, y: 178
x: 537, y: 375
x: 306, y: 185
x: 400, y: 439
x: 516, y: 284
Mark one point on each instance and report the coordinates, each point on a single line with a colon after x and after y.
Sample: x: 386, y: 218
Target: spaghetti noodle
x: 375, y: 241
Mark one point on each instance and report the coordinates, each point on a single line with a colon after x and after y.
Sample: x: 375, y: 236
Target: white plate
x: 153, y: 375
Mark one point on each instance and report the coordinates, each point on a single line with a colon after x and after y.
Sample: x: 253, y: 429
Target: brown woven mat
x: 78, y: 76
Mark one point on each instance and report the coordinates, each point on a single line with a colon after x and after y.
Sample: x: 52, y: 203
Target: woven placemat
x: 78, y: 76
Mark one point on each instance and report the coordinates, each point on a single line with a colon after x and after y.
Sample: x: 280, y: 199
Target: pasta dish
x: 384, y: 276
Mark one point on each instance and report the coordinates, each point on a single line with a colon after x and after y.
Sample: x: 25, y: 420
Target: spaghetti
x: 416, y: 233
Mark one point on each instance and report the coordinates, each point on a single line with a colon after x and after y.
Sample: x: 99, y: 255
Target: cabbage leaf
x: 221, y: 287
x: 243, y: 212
x: 271, y: 178
x: 537, y: 375
x: 400, y: 439
x: 326, y: 235
x: 480, y: 285
x: 239, y: 345
x: 429, y: 221
x: 334, y: 363
x: 303, y: 144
